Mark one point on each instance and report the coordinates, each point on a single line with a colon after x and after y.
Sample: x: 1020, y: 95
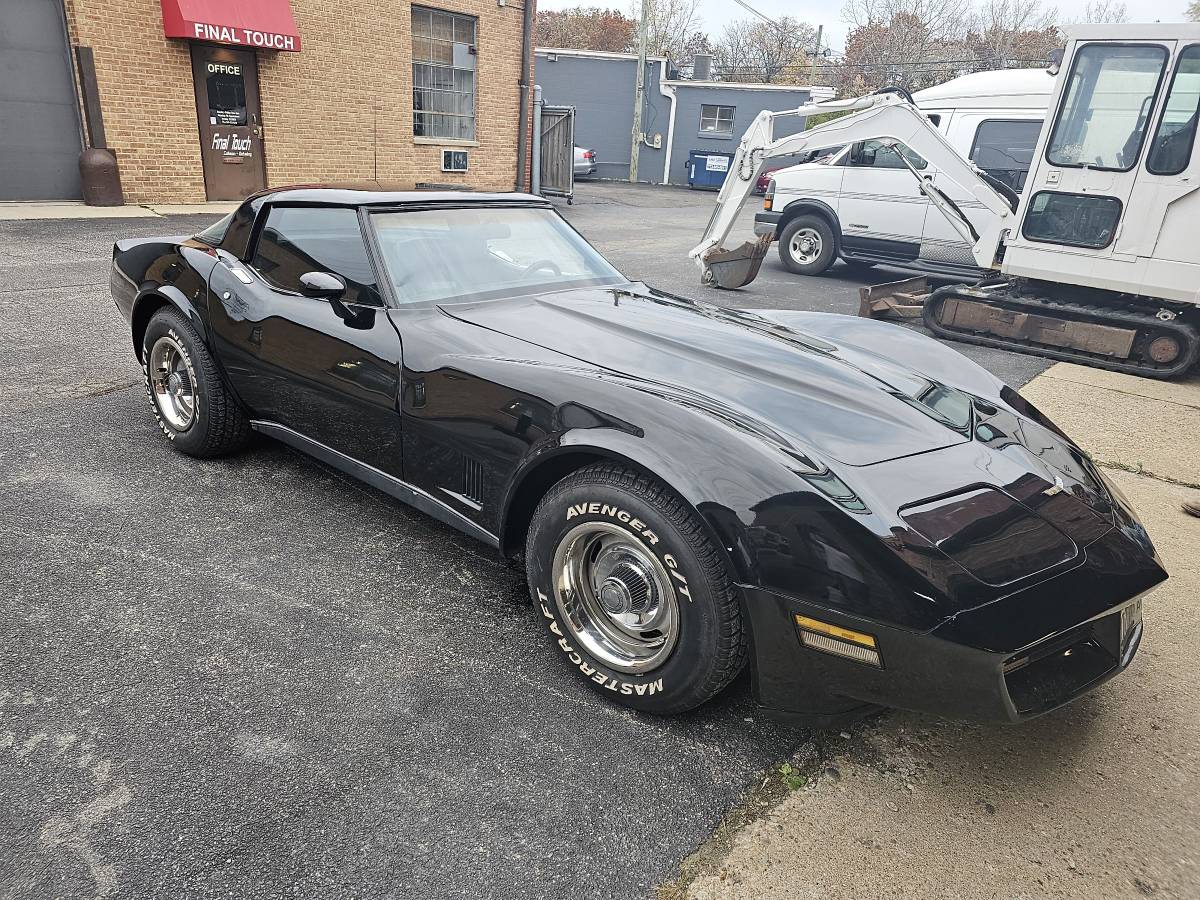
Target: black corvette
x: 864, y: 515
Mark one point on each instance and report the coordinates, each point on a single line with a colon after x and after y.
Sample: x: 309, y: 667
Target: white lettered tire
x: 635, y: 597
x: 193, y: 407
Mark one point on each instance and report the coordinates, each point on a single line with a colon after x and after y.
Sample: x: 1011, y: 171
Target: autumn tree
x: 754, y: 50
x: 586, y: 28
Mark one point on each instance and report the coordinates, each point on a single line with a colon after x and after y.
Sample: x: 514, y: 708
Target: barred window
x: 443, y: 74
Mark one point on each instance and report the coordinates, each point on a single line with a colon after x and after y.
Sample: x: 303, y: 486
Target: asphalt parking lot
x: 257, y: 678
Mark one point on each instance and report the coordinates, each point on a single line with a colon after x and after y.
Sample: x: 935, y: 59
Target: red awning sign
x: 261, y: 24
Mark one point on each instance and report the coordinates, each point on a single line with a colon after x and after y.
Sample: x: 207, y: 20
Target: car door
x: 328, y: 369
x: 882, y: 209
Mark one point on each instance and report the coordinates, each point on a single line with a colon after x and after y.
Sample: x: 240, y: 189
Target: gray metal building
x: 678, y: 116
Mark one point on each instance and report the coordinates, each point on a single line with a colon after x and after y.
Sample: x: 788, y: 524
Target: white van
x: 862, y: 204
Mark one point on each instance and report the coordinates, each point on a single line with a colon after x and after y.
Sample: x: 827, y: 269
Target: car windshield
x: 436, y: 255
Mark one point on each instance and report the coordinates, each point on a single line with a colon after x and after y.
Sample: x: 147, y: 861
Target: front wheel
x: 807, y: 245
x: 634, y: 594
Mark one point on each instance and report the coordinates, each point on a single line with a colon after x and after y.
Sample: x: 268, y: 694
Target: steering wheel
x: 547, y: 264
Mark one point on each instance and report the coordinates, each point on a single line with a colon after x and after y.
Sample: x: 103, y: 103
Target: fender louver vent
x: 472, y: 487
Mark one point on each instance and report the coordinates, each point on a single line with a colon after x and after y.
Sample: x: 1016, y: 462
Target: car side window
x: 1004, y: 148
x: 300, y: 239
x: 876, y: 155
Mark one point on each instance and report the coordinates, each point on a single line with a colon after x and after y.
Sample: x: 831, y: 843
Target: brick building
x: 213, y: 99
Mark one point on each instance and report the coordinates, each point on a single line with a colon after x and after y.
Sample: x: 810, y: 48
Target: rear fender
x: 150, y: 300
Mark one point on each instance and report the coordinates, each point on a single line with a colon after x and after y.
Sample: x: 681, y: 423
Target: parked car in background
x: 764, y: 178
x: 859, y: 513
x: 585, y: 162
x: 863, y: 204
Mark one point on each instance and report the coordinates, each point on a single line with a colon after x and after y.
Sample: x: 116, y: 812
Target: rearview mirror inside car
x: 324, y: 285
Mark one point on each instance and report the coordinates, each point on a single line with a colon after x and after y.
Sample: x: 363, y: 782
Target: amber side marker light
x: 839, y: 641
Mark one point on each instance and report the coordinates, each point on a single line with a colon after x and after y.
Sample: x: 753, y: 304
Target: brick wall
x: 340, y: 110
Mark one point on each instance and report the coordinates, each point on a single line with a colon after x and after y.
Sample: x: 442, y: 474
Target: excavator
x: 1097, y: 261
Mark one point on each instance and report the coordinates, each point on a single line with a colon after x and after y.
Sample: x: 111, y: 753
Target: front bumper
x: 766, y: 222
x: 1010, y: 660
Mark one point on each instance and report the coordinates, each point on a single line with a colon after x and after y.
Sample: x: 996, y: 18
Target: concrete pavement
x: 68, y: 209
x: 1099, y: 799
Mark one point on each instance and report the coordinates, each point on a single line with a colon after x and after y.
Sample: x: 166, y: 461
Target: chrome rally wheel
x: 615, y: 597
x: 637, y: 600
x: 192, y: 406
x: 173, y: 383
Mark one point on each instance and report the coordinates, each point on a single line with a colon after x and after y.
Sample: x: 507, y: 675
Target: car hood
x: 851, y: 403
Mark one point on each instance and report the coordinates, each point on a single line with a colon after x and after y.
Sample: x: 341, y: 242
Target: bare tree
x: 1007, y: 32
x: 904, y: 43
x: 1100, y: 12
x: 754, y: 50
x: 674, y: 27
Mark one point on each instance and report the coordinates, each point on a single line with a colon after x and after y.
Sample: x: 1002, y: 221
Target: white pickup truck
x: 860, y: 203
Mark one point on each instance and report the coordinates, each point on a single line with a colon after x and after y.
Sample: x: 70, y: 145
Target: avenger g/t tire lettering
x: 191, y: 403
x: 633, y: 593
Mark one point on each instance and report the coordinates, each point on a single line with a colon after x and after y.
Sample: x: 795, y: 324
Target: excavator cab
x: 1111, y: 201
x: 1098, y: 258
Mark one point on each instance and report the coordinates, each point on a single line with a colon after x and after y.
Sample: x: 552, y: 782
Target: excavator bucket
x: 731, y: 269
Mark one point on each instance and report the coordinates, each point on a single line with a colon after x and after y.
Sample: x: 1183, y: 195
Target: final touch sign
x: 245, y: 37
x: 253, y: 24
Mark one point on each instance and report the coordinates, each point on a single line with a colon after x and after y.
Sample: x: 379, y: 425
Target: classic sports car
x: 865, y: 515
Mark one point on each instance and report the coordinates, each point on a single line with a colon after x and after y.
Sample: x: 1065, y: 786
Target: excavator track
x: 1126, y: 334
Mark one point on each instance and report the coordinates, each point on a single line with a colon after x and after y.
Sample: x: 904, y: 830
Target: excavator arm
x: 888, y: 117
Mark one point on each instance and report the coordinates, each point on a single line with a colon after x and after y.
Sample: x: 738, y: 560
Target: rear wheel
x: 634, y: 594
x: 193, y: 407
x: 807, y: 245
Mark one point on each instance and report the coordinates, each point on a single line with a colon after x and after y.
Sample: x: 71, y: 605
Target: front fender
x: 745, y: 486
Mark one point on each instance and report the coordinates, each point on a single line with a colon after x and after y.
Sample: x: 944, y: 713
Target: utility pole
x: 812, y: 75
x: 639, y: 93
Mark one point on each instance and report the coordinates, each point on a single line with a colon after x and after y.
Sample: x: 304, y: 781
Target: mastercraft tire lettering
x: 632, y: 592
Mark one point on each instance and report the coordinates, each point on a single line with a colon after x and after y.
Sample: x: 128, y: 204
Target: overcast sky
x: 716, y: 13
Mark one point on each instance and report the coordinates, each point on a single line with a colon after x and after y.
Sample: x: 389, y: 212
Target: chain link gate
x: 557, y: 151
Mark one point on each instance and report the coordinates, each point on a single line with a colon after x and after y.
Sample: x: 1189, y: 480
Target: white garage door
x: 39, y: 116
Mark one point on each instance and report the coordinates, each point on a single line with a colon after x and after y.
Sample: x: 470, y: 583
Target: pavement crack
x: 1145, y: 473
x: 1117, y: 390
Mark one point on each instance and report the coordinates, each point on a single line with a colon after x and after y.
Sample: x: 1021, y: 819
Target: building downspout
x: 668, y: 92
x: 523, y: 82
x: 535, y: 163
